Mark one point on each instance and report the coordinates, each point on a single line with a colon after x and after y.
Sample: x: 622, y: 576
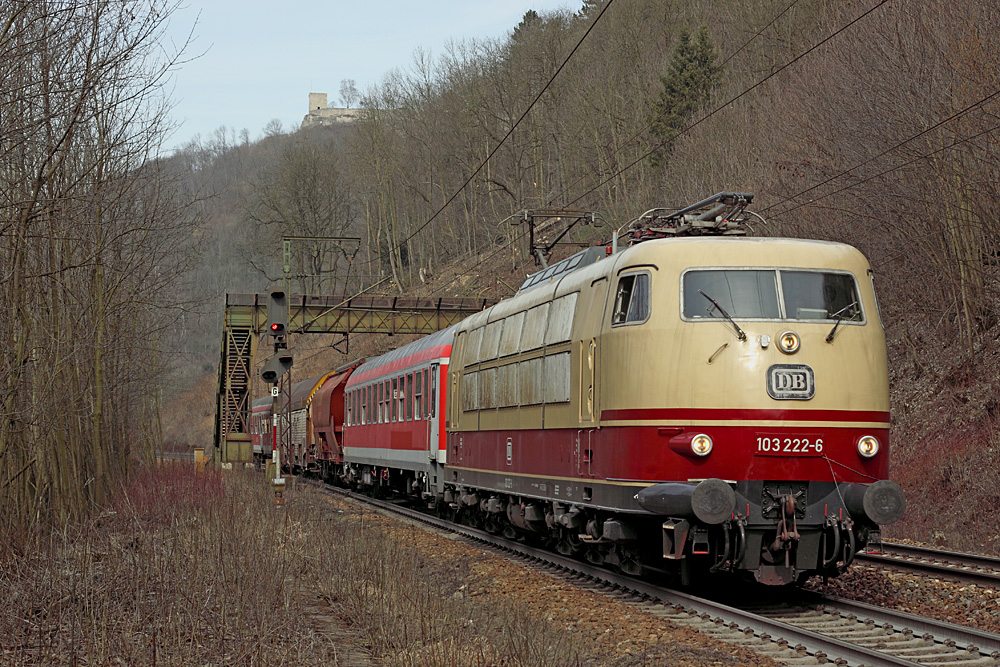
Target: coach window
x: 384, y: 388
x: 432, y: 410
x: 399, y: 399
x: 392, y: 400
x: 632, y: 299
x: 364, y: 407
x: 418, y: 396
x: 409, y: 397
x: 388, y: 401
x: 427, y: 395
x: 381, y: 403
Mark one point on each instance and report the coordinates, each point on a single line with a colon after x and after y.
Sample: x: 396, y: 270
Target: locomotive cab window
x: 811, y: 295
x: 771, y: 294
x: 632, y: 299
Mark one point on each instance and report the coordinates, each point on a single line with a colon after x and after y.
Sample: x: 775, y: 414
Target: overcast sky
x: 262, y: 59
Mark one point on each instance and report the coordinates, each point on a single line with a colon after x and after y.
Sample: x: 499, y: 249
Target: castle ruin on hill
x: 321, y: 114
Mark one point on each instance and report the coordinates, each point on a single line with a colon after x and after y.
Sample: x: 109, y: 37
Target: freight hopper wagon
x: 328, y: 410
x: 701, y: 401
x: 310, y: 426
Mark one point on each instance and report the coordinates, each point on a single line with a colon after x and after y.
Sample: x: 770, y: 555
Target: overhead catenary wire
x: 697, y: 122
x: 729, y: 101
x: 491, y: 255
x: 649, y: 125
x: 513, y: 127
x: 891, y: 149
x: 855, y: 184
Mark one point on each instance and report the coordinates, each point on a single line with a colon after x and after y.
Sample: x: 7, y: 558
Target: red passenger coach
x: 394, y: 433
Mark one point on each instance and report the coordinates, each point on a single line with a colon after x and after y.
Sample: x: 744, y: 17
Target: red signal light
x: 275, y: 327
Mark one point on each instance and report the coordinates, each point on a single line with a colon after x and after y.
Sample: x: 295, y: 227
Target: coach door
x: 587, y: 451
x: 430, y: 410
x: 590, y: 315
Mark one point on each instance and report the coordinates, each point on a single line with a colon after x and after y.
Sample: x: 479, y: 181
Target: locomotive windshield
x: 772, y: 294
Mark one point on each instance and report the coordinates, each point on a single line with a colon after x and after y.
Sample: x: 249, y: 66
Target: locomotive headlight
x: 867, y: 446
x: 788, y: 342
x: 701, y: 444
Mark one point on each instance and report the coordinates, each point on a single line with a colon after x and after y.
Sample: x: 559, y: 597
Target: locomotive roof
x: 681, y: 253
x: 737, y: 251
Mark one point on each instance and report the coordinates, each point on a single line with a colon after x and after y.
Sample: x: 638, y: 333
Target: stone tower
x: 317, y: 101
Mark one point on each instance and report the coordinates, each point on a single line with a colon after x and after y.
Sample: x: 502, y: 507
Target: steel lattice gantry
x: 246, y: 319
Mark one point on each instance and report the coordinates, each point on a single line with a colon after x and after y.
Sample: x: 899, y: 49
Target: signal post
x: 276, y: 372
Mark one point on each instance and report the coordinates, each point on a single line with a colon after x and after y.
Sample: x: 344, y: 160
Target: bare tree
x: 89, y: 239
x: 304, y: 193
x: 349, y: 94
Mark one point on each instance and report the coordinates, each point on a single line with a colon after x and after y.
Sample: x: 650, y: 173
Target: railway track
x: 812, y: 629
x: 967, y: 568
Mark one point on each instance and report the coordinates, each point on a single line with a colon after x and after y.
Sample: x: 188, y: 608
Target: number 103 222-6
x: 776, y: 445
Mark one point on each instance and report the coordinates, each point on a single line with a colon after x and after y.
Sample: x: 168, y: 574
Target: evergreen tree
x: 686, y: 87
x: 591, y: 8
x: 530, y: 18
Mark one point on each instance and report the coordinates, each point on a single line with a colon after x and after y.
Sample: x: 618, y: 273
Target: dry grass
x: 183, y: 570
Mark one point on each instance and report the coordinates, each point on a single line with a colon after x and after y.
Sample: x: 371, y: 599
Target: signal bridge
x: 246, y: 319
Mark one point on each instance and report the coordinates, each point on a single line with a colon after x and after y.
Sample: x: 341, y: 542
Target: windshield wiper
x: 837, y: 316
x: 739, y: 332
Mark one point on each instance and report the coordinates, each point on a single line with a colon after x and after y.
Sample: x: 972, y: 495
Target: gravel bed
x: 616, y: 633
x: 958, y: 603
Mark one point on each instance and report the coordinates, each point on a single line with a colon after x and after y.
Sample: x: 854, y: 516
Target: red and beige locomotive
x: 701, y: 399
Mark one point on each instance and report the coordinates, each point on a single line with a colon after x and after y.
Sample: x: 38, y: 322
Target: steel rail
x: 964, y: 567
x: 961, y: 636
x: 823, y: 647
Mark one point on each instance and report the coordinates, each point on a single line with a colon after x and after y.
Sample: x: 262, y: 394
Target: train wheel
x: 569, y: 544
x: 628, y: 561
x: 445, y: 511
x: 492, y: 526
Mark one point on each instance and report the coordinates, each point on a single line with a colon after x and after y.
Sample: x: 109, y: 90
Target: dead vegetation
x: 186, y: 570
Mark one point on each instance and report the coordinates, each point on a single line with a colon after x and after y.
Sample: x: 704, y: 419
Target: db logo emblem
x: 790, y: 382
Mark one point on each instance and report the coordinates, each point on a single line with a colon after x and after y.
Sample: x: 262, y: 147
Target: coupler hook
x: 787, y: 531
